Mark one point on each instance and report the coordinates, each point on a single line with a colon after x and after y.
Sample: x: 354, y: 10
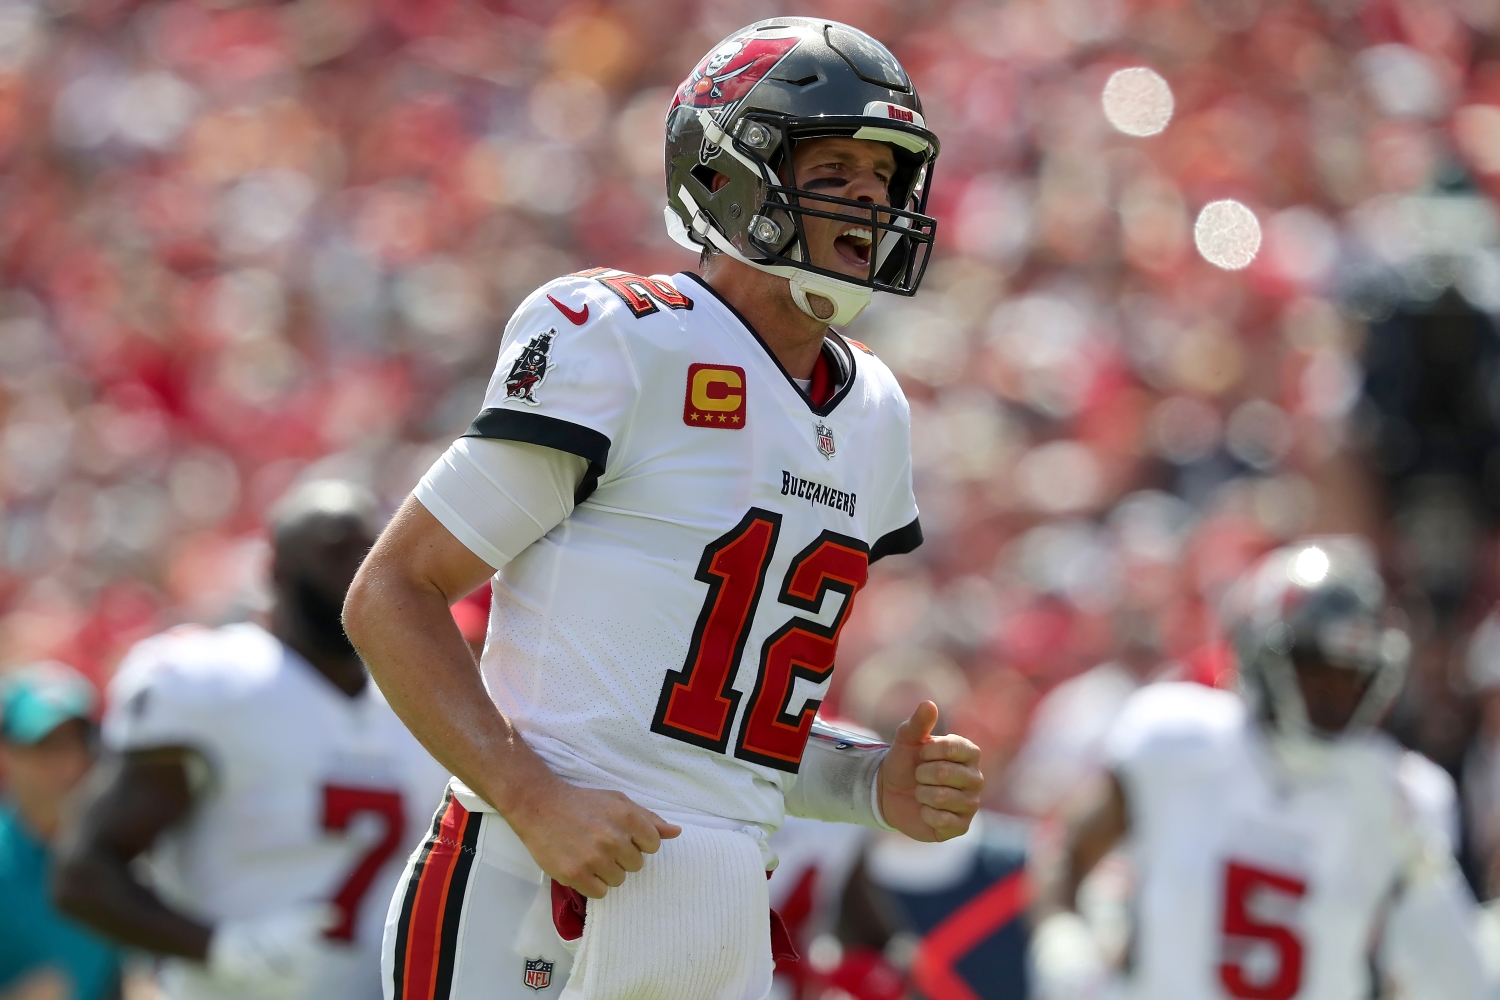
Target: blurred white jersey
x: 313, y: 795
x: 673, y: 637
x: 1254, y: 884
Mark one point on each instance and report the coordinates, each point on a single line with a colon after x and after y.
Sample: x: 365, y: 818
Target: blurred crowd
x: 243, y: 244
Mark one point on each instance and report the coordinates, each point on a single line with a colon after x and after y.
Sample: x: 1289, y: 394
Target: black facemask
x: 321, y: 619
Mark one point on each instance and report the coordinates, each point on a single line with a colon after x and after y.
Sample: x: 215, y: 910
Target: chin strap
x: 848, y: 300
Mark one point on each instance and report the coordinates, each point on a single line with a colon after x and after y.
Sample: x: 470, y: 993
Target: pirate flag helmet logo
x: 530, y: 368
x: 729, y: 72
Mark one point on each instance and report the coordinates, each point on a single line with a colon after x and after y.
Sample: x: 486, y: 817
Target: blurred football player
x: 682, y: 482
x: 1282, y: 847
x: 273, y: 790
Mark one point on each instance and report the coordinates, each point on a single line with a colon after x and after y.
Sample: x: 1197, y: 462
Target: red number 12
x: 698, y: 703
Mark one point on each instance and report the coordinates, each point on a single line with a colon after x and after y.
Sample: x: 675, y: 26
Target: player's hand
x: 929, y: 785
x: 589, y: 839
x: 1065, y: 959
x: 270, y: 954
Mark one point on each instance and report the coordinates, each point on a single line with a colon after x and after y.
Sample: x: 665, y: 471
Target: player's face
x: 40, y: 776
x: 857, y: 169
x: 318, y: 567
x: 1332, y: 694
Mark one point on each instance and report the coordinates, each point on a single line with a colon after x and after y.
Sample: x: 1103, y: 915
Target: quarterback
x: 1282, y: 846
x: 682, y: 482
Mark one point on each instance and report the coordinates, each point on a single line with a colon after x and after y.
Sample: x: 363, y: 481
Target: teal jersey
x: 34, y: 936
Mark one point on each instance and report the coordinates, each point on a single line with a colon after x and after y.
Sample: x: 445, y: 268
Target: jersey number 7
x: 698, y: 703
x: 340, y: 806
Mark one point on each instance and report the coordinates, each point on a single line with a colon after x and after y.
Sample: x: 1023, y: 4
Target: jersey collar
x: 836, y: 352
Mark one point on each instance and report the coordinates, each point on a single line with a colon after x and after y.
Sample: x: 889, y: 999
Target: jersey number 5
x: 340, y: 806
x: 1252, y: 941
x: 698, y: 703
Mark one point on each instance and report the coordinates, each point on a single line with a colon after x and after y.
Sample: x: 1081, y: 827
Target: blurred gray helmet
x: 742, y: 110
x: 1321, y: 598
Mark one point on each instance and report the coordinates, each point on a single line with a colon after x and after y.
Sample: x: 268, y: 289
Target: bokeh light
x: 1138, y: 101
x: 1227, y: 234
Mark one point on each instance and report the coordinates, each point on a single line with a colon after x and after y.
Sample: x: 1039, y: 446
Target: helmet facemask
x: 901, y: 232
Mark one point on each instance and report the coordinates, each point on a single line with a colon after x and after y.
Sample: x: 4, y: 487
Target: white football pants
x: 471, y: 920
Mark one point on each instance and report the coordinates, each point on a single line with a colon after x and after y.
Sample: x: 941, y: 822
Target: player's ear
x: 719, y: 181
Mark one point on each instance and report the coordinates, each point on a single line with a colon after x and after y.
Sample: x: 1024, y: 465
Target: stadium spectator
x: 47, y: 747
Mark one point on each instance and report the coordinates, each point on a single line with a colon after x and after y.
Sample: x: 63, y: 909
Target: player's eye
x: 824, y: 183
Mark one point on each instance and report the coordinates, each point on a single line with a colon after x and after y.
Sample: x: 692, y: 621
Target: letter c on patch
x: 706, y: 380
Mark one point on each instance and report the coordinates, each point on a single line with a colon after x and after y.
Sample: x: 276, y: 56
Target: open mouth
x: 853, y: 245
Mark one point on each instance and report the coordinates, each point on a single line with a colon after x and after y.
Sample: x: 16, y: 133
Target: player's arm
x: 925, y: 786
x: 1430, y: 943
x: 1065, y: 959
x: 130, y: 801
x: 1092, y: 827
x: 397, y: 616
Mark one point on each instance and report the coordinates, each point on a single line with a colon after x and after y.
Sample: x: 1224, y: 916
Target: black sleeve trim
x: 898, y: 542
x: 549, y: 432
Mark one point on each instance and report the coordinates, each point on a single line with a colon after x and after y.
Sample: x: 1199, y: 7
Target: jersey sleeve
x: 565, y: 378
x: 1428, y: 944
x: 896, y: 529
x: 1165, y: 724
x: 498, y: 497
x: 159, y: 698
x: 1431, y: 797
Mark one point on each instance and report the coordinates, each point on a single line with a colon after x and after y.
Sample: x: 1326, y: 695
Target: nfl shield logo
x: 825, y: 440
x: 538, y: 973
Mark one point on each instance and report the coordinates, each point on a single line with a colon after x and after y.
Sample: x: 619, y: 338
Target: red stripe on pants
x: 425, y: 928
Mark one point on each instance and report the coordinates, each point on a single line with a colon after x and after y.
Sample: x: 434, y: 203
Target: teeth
x: 860, y: 237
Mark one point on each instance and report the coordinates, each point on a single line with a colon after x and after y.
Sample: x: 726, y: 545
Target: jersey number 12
x: 698, y: 703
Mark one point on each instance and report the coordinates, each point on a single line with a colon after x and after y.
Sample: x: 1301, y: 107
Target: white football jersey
x: 673, y: 637
x: 313, y: 795
x: 1251, y: 884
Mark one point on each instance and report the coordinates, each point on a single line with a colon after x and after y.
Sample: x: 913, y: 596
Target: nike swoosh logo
x: 577, y: 317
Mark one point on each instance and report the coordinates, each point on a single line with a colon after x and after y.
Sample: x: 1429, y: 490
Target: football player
x: 274, y: 792
x: 1282, y: 846
x: 682, y: 482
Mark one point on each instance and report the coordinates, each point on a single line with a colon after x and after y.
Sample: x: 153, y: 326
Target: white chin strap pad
x: 848, y: 300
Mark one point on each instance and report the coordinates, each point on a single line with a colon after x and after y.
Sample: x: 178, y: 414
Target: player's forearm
x: 1054, y: 883
x: 1092, y: 830
x: 99, y: 891
x: 407, y: 638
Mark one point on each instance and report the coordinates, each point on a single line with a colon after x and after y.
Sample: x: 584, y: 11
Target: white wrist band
x: 839, y: 779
